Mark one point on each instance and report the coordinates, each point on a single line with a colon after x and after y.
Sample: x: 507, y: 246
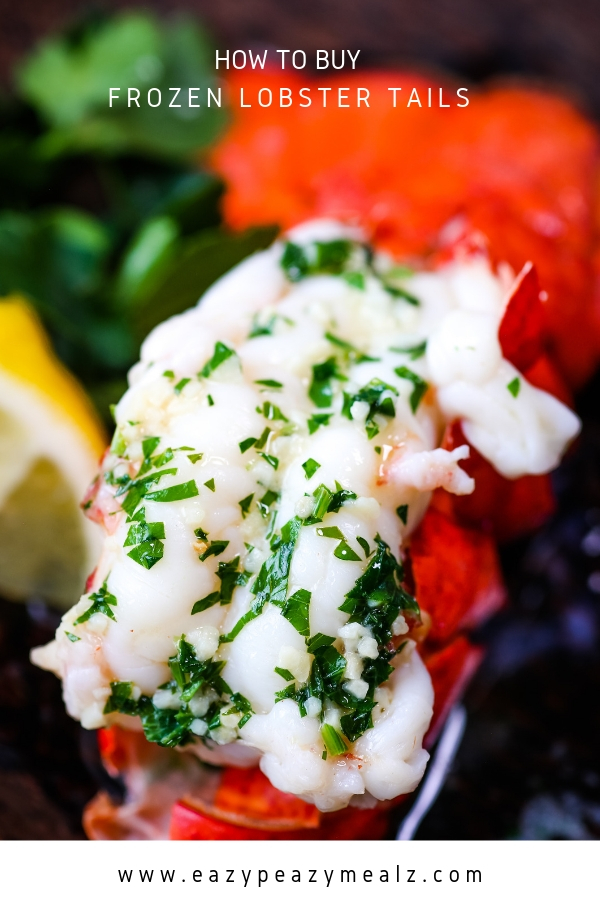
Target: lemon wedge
x: 50, y: 441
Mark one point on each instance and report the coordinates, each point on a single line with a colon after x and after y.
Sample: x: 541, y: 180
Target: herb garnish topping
x: 146, y: 538
x: 420, y: 386
x: 102, y: 602
x: 310, y: 467
x: 220, y: 355
x: 514, y: 387
x: 377, y: 394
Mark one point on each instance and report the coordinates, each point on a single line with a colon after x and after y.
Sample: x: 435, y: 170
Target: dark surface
x: 529, y: 764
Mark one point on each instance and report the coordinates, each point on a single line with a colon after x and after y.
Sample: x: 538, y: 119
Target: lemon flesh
x: 50, y: 441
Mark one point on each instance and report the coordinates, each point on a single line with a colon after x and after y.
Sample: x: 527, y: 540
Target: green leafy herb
x: 333, y: 740
x: 330, y: 533
x: 420, y: 386
x: 214, y: 549
x: 72, y: 637
x: 262, y: 440
x: 146, y: 539
x: 262, y: 330
x: 414, y: 352
x: 355, y: 280
x: 210, y: 484
x: 377, y: 394
x: 102, y: 602
x: 138, y: 488
x: 210, y: 400
x: 402, y: 512
x: 296, y: 611
x: 514, y: 386
x: 270, y: 383
x: 245, y: 505
x: 195, y: 457
x: 181, y: 384
x: 317, y: 421
x: 242, y: 705
x: 351, y: 353
x: 365, y: 545
x: 272, y: 460
x: 339, y: 497
x: 403, y: 294
x: 294, y: 262
x: 377, y: 596
x: 321, y: 388
x: 265, y: 502
x: 206, y: 602
x: 344, y: 551
x: 285, y: 674
x: 201, y: 534
x: 310, y: 467
x: 271, y: 412
x: 246, y: 444
x: 169, y: 373
x: 175, y: 492
x: 220, y: 355
x: 318, y: 641
x: 272, y: 580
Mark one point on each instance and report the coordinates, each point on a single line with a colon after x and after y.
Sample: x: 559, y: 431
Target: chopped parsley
x: 294, y: 262
x: 365, y: 545
x: 514, y: 387
x: 210, y: 400
x: 175, y: 492
x: 344, y: 551
x: 327, y: 501
x: 402, y: 512
x: 169, y: 373
x: 331, y: 533
x: 272, y: 580
x: 377, y: 596
x: 414, y: 352
x: 181, y: 384
x: 310, y: 467
x: 272, y: 460
x: 317, y: 421
x: 351, y: 353
x: 271, y: 412
x: 72, y: 637
x: 220, y: 355
x: 333, y: 740
x: 296, y: 611
x: 246, y: 444
x: 230, y: 576
x: 265, y: 502
x: 260, y: 330
x: 102, y: 602
x: 270, y: 383
x: 244, y: 505
x: 241, y: 705
x: 170, y: 727
x: 321, y: 388
x: 146, y: 538
x: 195, y: 457
x: 210, y: 484
x: 355, y: 280
x: 261, y: 442
x: 285, y: 674
x: 215, y: 548
x: 402, y: 294
x: 420, y: 386
x: 377, y: 394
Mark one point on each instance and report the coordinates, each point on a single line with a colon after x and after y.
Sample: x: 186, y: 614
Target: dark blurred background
x: 529, y: 763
